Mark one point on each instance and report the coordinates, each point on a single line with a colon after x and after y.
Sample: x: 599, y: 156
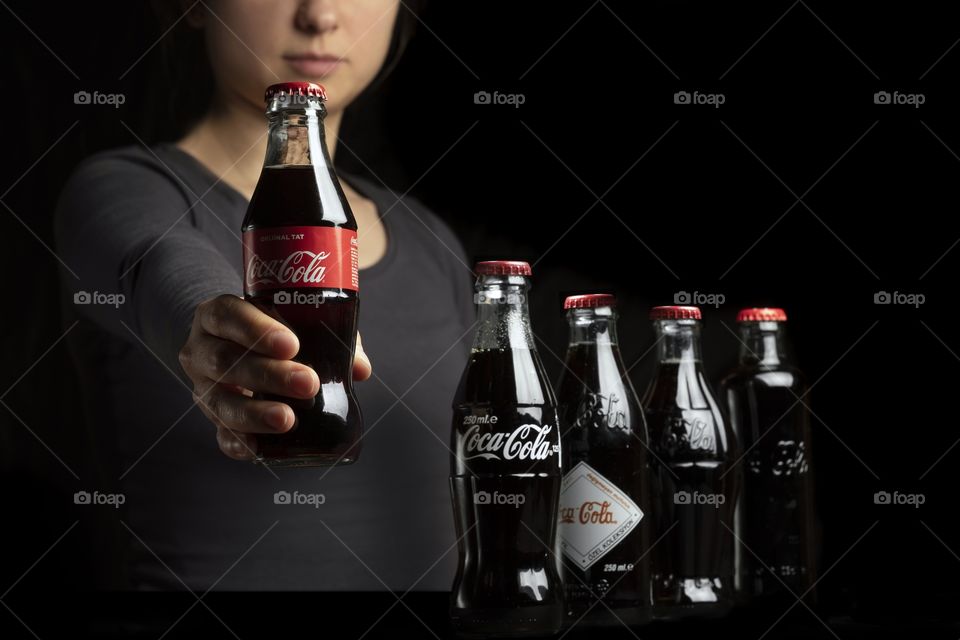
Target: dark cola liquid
x: 328, y: 427
x: 505, y: 484
x: 607, y: 432
x: 777, y: 520
x: 696, y: 488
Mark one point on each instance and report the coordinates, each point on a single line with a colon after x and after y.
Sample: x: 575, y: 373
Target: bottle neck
x: 678, y: 341
x: 296, y: 137
x: 679, y: 380
x: 296, y: 143
x: 595, y: 381
x: 762, y: 343
x: 502, y: 313
x: 593, y: 326
x: 594, y: 347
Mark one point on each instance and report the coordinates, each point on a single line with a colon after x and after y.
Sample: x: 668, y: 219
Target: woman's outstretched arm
x: 128, y: 230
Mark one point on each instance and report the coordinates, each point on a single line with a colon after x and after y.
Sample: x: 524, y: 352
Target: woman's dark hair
x: 181, y: 84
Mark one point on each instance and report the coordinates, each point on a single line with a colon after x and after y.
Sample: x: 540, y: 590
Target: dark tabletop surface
x: 414, y: 615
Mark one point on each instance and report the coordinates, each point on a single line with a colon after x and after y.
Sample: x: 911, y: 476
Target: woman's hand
x: 234, y: 350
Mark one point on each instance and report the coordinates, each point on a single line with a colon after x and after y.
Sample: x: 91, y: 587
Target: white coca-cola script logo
x: 527, y: 442
x: 299, y: 267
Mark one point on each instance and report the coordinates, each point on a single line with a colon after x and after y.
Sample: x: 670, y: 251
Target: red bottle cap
x: 295, y: 88
x: 762, y: 314
x: 589, y: 301
x: 675, y: 313
x: 502, y: 268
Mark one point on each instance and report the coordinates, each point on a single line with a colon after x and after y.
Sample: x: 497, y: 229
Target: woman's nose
x: 316, y: 16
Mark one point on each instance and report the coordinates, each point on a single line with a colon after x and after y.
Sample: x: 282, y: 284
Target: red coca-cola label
x: 300, y: 257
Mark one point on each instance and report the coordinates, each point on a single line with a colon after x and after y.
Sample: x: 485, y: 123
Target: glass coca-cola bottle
x: 766, y: 398
x: 605, y: 500
x: 694, y: 453
x: 300, y: 266
x: 505, y: 470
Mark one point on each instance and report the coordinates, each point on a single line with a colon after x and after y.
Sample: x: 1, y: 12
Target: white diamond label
x: 595, y: 515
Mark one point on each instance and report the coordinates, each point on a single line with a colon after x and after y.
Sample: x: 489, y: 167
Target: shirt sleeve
x: 126, y: 229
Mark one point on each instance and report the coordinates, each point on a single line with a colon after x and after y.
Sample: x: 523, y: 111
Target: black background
x: 799, y: 191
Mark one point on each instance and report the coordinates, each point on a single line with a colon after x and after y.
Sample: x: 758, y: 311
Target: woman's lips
x: 313, y: 65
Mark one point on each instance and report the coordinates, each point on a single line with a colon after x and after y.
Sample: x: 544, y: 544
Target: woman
x: 161, y: 226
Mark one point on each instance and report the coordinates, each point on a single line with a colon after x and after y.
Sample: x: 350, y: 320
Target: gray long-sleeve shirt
x: 131, y: 222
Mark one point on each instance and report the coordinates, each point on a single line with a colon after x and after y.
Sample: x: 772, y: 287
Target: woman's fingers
x: 228, y: 409
x: 236, y: 352
x: 225, y: 362
x: 238, y: 446
x: 236, y: 320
